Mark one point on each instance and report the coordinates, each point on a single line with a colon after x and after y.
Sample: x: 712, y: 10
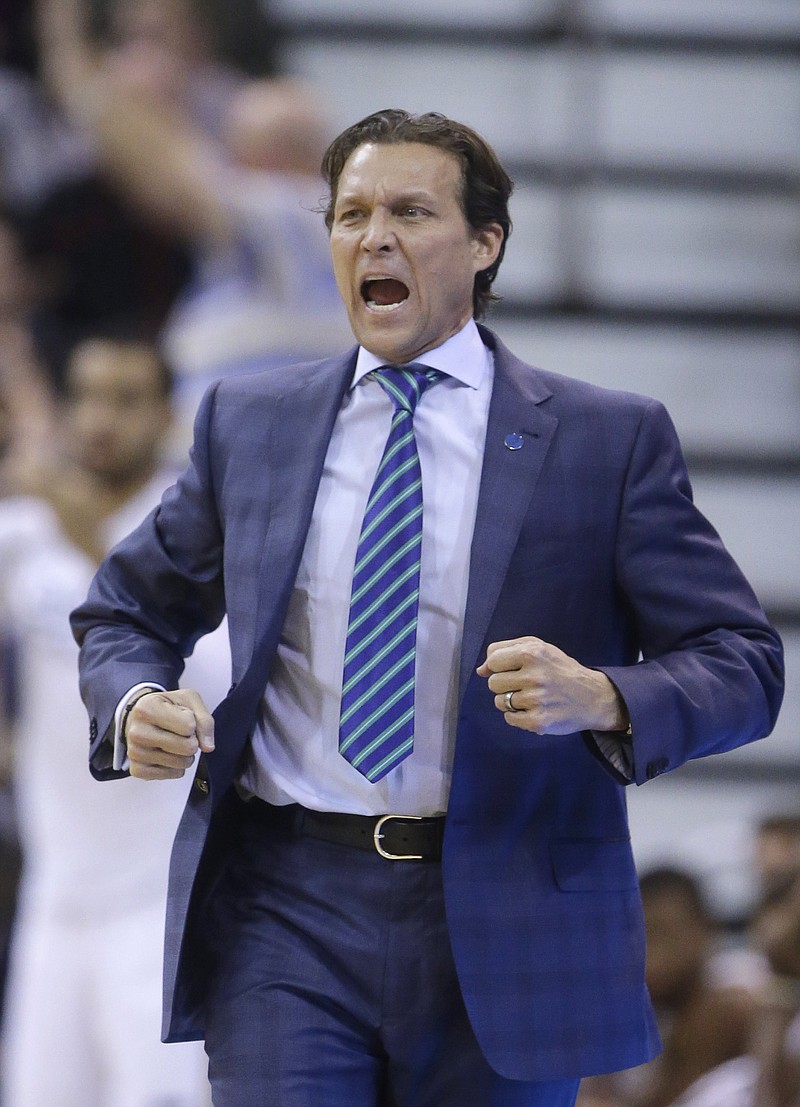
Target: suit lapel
x: 297, y: 432
x: 300, y: 431
x: 507, y: 482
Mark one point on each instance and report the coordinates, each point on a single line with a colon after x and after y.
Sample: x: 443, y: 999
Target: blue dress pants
x: 334, y: 985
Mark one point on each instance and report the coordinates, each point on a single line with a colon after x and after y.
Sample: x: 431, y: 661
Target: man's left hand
x: 551, y: 693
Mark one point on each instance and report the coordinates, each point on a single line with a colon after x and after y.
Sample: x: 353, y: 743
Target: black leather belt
x: 395, y: 837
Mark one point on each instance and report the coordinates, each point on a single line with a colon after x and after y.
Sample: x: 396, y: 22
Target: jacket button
x: 656, y: 768
x: 201, y: 785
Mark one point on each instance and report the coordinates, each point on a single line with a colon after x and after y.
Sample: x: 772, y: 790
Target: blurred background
x: 656, y: 247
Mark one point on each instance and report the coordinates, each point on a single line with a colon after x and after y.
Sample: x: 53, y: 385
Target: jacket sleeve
x: 710, y: 676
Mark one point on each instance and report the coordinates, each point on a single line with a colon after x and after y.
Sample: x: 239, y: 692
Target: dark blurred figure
x: 37, y: 150
x: 704, y: 1025
x: 26, y: 400
x: 776, y: 931
x: 97, y: 260
x: 17, y: 48
x: 777, y: 851
x: 217, y: 37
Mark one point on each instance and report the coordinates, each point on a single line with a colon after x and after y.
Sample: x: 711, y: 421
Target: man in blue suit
x: 445, y: 913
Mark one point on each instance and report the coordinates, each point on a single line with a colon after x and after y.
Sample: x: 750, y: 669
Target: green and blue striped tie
x: 376, y: 727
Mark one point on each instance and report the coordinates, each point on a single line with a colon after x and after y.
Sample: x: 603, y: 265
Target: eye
x: 349, y: 215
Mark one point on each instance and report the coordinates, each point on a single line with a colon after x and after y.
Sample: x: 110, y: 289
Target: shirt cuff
x: 121, y: 762
x: 617, y: 750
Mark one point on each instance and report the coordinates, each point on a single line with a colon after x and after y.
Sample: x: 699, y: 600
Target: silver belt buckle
x: 376, y: 838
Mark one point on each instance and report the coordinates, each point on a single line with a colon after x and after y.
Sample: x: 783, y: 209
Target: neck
x: 83, y: 503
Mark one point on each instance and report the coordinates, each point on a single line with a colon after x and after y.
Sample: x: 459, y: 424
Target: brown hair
x: 486, y: 185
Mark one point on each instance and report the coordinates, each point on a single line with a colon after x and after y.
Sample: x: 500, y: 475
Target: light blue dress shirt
x: 294, y: 755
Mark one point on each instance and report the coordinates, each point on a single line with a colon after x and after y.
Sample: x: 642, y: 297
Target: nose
x: 378, y: 235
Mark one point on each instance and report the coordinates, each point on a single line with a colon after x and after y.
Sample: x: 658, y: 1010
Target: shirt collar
x: 463, y: 357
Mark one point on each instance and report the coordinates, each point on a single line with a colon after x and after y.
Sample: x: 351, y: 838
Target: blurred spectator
x: 16, y: 35
x: 26, y: 413
x: 37, y: 150
x: 166, y: 47
x: 95, y: 259
x: 264, y: 289
x: 90, y: 255
x: 26, y: 404
x: 704, y: 1026
x: 170, y: 50
x: 599, y: 1091
x: 264, y: 292
x: 10, y: 853
x: 776, y: 930
x: 215, y: 37
x: 100, y: 256
x: 82, y: 1018
x: 777, y: 851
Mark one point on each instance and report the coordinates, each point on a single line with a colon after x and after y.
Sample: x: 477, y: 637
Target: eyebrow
x: 414, y: 196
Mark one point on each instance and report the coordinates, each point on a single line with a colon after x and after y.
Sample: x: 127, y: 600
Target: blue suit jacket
x: 586, y: 537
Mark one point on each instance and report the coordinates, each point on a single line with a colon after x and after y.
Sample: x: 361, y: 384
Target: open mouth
x: 383, y: 293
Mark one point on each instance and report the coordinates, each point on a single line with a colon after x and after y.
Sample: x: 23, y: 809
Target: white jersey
x: 81, y: 839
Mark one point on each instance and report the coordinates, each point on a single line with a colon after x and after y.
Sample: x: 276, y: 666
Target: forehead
x: 401, y: 168
x: 100, y: 363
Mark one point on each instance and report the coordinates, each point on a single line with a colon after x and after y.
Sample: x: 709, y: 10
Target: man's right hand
x: 164, y: 731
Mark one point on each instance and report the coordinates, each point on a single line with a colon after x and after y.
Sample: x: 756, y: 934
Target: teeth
x: 384, y: 307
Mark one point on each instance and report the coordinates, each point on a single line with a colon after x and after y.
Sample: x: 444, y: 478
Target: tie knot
x: 405, y: 386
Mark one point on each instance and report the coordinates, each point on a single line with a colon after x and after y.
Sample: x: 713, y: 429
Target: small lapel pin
x: 513, y: 441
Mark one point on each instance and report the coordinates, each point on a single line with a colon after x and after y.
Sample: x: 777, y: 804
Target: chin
x: 382, y: 344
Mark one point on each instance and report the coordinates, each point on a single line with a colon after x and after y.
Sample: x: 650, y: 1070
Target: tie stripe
x: 376, y: 728
x: 384, y: 678
x: 403, y: 521
x: 380, y: 571
x: 407, y: 600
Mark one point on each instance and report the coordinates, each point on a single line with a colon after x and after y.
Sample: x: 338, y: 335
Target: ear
x: 486, y: 243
